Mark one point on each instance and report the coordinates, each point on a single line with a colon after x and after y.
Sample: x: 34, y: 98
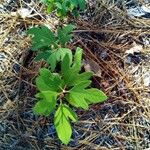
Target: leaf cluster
x: 64, y: 7
x: 69, y: 87
x: 59, y: 91
x: 49, y: 45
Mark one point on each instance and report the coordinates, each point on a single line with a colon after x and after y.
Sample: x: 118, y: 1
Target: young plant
x: 65, y: 7
x: 59, y: 91
x: 49, y: 45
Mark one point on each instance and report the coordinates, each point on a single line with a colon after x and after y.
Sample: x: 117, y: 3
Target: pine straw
x: 123, y: 122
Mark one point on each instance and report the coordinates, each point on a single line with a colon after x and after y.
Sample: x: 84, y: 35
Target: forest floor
x: 116, y: 48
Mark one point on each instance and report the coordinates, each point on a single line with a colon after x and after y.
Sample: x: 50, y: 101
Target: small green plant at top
x: 64, y: 7
x: 59, y: 92
x: 49, y: 45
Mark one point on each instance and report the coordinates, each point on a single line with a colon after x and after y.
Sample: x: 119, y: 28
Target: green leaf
x: 74, y: 2
x: 71, y: 101
x: 64, y: 34
x: 42, y: 56
x: 48, y: 81
x: 42, y: 37
x: 69, y: 76
x: 70, y: 73
x: 70, y: 85
x: 57, y: 56
x: 62, y: 125
x: 63, y: 8
x: 47, y: 104
x: 80, y: 97
x: 51, y: 6
x: 42, y: 108
x: 75, y: 13
x: 58, y: 115
x: 76, y: 98
x: 81, y: 78
x: 78, y: 59
x: 82, y: 4
x: 94, y: 95
x: 69, y: 113
x: 65, y: 65
x: 59, y: 5
x: 81, y: 85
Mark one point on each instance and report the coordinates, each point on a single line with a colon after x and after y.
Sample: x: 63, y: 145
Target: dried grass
x: 123, y: 122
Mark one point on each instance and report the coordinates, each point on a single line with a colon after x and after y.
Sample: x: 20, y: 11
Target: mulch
x: 105, y: 32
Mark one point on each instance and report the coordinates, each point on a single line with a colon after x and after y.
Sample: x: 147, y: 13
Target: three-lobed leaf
x: 80, y: 96
x: 62, y: 122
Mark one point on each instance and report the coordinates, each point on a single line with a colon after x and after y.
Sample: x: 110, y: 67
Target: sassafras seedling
x: 59, y: 91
